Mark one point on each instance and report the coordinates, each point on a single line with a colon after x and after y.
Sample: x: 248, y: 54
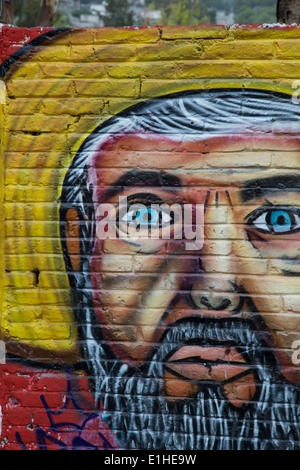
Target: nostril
x: 204, y: 301
x: 222, y: 306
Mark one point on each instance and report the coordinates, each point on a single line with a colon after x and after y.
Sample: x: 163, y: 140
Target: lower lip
x: 197, y: 363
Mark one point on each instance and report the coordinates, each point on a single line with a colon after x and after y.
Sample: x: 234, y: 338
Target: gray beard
x: 143, y: 418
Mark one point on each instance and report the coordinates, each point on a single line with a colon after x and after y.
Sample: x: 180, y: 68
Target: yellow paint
x: 2, y: 260
x: 55, y: 98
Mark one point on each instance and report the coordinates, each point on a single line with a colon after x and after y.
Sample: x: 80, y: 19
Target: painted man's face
x: 248, y: 267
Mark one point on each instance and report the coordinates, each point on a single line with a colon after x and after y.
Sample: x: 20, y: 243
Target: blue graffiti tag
x: 44, y: 438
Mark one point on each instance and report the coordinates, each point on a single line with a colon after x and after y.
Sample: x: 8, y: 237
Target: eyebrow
x: 257, y: 188
x: 143, y: 179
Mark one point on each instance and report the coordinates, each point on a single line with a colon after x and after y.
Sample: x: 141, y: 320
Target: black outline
x: 8, y: 63
x: 217, y: 199
x: 229, y: 199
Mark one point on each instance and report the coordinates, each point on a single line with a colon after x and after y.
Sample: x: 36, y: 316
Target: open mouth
x: 193, y: 366
x: 207, y: 363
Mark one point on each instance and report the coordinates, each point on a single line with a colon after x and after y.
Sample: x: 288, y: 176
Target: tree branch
x: 288, y: 11
x: 7, y: 12
x: 46, y: 13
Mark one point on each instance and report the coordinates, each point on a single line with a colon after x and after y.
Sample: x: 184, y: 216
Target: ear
x: 72, y: 238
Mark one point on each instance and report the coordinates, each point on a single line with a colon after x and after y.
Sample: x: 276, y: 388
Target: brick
x: 102, y: 87
x: 142, y: 70
x: 53, y: 97
x: 127, y: 35
x: 239, y: 49
x: 173, y: 50
x: 35, y: 87
x: 108, y: 53
x: 193, y: 32
x: 264, y: 31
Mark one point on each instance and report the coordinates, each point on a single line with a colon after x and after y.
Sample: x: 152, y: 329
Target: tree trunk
x: 288, y: 11
x: 46, y: 12
x: 7, y: 12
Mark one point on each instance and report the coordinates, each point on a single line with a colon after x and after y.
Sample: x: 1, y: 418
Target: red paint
x: 12, y: 39
x: 23, y: 392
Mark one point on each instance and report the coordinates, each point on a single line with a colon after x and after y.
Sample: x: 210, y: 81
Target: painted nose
x: 217, y: 295
x: 216, y: 286
x: 215, y: 304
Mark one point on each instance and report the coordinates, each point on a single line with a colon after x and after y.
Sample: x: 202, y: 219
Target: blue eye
x: 280, y: 221
x: 276, y: 221
x: 147, y: 216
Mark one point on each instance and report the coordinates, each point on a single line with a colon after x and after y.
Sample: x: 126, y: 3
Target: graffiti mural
x: 151, y: 296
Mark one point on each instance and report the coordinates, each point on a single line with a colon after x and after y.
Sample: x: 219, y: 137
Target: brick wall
x: 129, y: 341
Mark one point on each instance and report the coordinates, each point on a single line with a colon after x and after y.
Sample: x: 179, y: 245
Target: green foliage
x: 26, y: 12
x: 118, y: 13
x: 173, y: 12
x: 61, y: 20
x: 203, y: 12
x: 186, y: 12
x: 224, y: 5
x: 254, y: 11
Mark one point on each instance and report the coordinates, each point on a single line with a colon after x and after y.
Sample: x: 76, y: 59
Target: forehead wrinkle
x: 219, y: 194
